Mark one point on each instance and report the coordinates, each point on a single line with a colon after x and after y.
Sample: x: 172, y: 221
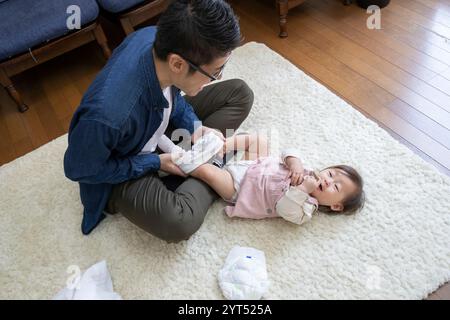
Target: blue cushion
x: 115, y: 6
x: 26, y: 24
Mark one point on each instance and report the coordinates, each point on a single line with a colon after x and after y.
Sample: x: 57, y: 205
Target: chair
x: 283, y: 8
x: 35, y: 31
x: 131, y: 13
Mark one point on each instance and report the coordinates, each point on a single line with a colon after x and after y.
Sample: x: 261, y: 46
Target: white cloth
x: 167, y: 145
x: 158, y: 138
x: 289, y: 152
x: 204, y: 150
x: 244, y: 275
x: 94, y: 284
x: 295, y: 207
x: 237, y: 169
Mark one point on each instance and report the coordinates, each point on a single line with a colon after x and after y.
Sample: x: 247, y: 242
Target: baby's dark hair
x: 354, y: 202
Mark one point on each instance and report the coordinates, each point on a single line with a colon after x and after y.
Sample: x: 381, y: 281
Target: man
x: 115, y: 133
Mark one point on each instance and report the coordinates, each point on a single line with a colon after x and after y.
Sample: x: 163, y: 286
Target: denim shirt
x: 118, y: 114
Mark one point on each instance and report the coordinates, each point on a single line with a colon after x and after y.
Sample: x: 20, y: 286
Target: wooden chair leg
x: 283, y: 11
x: 126, y: 26
x: 9, y: 86
x: 102, y: 41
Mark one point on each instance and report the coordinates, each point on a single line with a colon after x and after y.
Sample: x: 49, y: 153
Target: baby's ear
x: 337, y: 207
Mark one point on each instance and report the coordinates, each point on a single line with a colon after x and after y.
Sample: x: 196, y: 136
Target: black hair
x: 354, y: 202
x: 197, y: 30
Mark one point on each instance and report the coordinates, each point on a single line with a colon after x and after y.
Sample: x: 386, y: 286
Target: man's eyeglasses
x: 214, y: 77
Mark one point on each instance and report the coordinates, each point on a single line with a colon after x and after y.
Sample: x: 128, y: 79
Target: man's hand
x: 167, y: 165
x: 201, y: 131
x: 295, y: 170
x: 309, y: 184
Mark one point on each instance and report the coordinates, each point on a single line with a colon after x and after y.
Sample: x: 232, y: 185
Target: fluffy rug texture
x: 398, y: 247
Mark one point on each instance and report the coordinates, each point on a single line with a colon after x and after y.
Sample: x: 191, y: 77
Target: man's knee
x: 177, y: 231
x: 179, y: 226
x: 244, y: 95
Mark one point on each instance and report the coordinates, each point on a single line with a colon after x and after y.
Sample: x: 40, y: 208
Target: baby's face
x: 334, y: 187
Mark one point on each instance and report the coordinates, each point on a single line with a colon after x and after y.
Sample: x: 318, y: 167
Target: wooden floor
x: 398, y: 76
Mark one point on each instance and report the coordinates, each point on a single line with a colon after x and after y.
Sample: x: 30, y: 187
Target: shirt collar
x: 157, y: 99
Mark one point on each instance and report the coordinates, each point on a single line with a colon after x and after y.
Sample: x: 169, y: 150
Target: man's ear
x: 176, y: 63
x: 337, y: 207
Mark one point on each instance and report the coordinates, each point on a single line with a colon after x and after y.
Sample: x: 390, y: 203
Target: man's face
x: 193, y: 83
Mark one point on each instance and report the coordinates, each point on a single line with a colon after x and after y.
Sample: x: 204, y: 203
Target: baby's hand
x: 309, y: 184
x: 295, y: 170
x: 295, y: 175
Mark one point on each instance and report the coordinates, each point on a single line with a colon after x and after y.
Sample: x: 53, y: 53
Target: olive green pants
x: 173, y: 208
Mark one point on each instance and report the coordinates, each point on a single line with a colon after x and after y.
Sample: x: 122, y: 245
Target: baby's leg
x: 254, y: 145
x: 218, y: 179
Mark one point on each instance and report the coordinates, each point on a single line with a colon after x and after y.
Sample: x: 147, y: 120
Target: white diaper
x: 201, y: 152
x: 237, y: 169
x: 244, y: 275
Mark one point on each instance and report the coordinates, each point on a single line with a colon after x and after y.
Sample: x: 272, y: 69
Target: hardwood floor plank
x: 424, y: 10
x: 308, y: 21
x: 371, y: 71
x: 407, y: 131
x: 362, y: 39
x: 65, y: 123
x: 22, y: 147
x: 438, y: 28
x: 5, y: 137
x: 42, y: 104
x: 7, y: 152
x: 417, y: 37
x: 440, y: 6
x: 52, y: 87
x: 47, y: 115
x: 444, y: 292
x: 441, y: 83
x: 299, y: 48
x: 12, y: 118
x: 356, y: 18
x: 7, y: 155
x: 421, y: 122
x: 445, y: 74
x: 434, y: 296
x: 71, y: 94
x: 35, y: 128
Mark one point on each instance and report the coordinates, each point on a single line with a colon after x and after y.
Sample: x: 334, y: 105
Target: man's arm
x: 89, y: 157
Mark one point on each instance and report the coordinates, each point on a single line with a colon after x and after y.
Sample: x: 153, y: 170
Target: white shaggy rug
x: 398, y: 247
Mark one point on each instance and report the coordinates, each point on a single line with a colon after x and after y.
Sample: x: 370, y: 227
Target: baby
x: 259, y: 186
